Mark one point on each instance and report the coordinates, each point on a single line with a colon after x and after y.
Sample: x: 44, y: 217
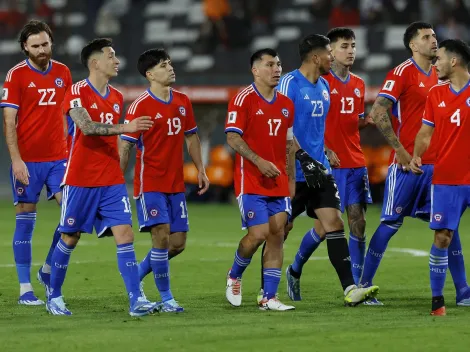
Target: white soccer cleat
x: 233, y: 291
x: 354, y: 295
x: 274, y: 304
x: 260, y: 296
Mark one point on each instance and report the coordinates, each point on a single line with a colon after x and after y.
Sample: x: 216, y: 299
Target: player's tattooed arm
x: 379, y: 114
x: 290, y: 159
x: 125, y: 148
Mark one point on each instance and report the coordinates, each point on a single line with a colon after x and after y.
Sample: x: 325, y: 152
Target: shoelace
x: 236, y: 285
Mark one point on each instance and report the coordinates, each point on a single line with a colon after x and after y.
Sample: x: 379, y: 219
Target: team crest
x: 285, y: 112
x: 70, y: 221
x: 116, y: 108
x: 251, y: 214
x: 468, y: 102
x: 325, y: 94
x: 20, y: 190
x: 437, y: 217
x: 59, y: 82
x: 399, y: 210
x: 357, y: 92
x: 182, y: 111
x: 154, y: 212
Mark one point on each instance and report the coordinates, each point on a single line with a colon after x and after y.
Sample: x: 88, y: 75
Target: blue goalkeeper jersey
x: 312, y: 103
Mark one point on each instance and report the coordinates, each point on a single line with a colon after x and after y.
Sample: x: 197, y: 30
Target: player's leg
x: 177, y: 244
x: 457, y: 270
x: 115, y: 214
x: 254, y: 213
x: 25, y: 199
x: 278, y: 210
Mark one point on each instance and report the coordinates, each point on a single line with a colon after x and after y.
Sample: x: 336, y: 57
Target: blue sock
x: 456, y: 263
x: 378, y: 244
x: 55, y: 240
x: 60, y: 261
x: 129, y: 270
x: 239, y: 266
x: 309, y: 244
x: 357, y: 250
x: 22, y: 245
x: 438, y: 268
x: 161, y: 272
x: 271, y: 278
x: 144, y: 267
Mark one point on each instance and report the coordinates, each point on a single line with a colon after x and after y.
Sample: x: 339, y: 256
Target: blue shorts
x: 155, y: 208
x: 257, y: 210
x: 448, y: 205
x: 100, y: 207
x: 49, y: 173
x: 407, y: 194
x: 353, y: 186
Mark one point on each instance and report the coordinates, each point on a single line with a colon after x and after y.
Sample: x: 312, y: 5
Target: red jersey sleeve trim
x: 234, y: 129
x: 427, y: 122
x: 388, y: 96
x: 191, y: 131
x: 9, y: 105
x: 129, y: 138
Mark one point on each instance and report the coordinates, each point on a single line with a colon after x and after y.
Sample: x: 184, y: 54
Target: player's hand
x: 142, y: 123
x: 203, y: 182
x: 292, y: 189
x: 415, y: 165
x: 20, y: 171
x: 403, y: 158
x: 333, y: 158
x: 315, y: 173
x: 369, y: 121
x: 267, y: 168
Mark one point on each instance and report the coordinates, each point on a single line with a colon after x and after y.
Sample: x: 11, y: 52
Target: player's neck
x: 340, y: 71
x: 459, y: 80
x: 161, y: 92
x: 266, y: 92
x: 39, y: 68
x: 311, y: 74
x: 423, y: 62
x: 100, y: 83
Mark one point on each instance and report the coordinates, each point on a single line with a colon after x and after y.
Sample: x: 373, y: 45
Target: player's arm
x: 290, y: 161
x: 20, y: 171
x: 332, y: 157
x: 423, y: 138
x: 125, y: 148
x: 193, y: 144
x: 91, y: 128
x: 314, y: 171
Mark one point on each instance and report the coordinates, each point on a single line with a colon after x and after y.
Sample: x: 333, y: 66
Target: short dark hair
x: 459, y: 47
x: 312, y: 42
x: 412, y: 31
x: 151, y: 58
x: 31, y: 28
x: 96, y: 45
x: 257, y: 55
x: 340, y: 33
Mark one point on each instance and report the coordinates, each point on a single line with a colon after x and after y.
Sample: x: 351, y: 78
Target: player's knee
x: 177, y: 245
x: 358, y: 227
x: 71, y: 239
x: 160, y: 236
x: 257, y: 237
x: 287, y: 229
x: 335, y: 224
x: 442, y: 238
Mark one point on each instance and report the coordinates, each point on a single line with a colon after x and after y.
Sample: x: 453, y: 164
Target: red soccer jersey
x: 342, y: 122
x: 94, y: 160
x: 263, y: 126
x: 449, y: 112
x: 408, y: 86
x: 38, y: 97
x: 159, y: 159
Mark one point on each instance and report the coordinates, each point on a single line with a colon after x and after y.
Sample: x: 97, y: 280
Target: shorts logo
x: 116, y: 108
x: 325, y: 95
x: 182, y: 111
x: 437, y: 217
x: 357, y: 92
x: 20, y: 190
x: 70, y: 221
x: 59, y: 82
x: 468, y: 102
x: 399, y: 210
x: 285, y: 112
x: 154, y: 212
x: 251, y: 214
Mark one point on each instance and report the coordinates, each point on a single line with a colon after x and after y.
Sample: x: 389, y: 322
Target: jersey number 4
x: 455, y: 118
x: 47, y: 96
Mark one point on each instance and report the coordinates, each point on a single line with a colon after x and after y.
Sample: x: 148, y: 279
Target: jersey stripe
x: 76, y: 87
x: 10, y: 73
x: 400, y: 68
x: 136, y: 102
x: 283, y: 89
x: 242, y: 95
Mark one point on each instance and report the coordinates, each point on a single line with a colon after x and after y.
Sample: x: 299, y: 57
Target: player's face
x: 39, y: 48
x: 108, y: 63
x: 268, y: 70
x: 162, y: 73
x: 425, y: 43
x: 344, y: 51
x: 444, y: 63
x: 325, y: 59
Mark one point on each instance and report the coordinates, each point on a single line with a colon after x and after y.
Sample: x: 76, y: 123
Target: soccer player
x: 345, y: 118
x: 259, y: 128
x: 404, y: 91
x: 445, y: 119
x: 34, y: 132
x: 311, y: 96
x: 159, y: 180
x: 94, y: 191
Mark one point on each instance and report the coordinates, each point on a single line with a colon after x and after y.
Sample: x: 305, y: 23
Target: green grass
x: 95, y: 293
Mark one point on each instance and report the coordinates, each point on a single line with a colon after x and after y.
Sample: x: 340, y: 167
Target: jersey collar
x: 269, y: 102
x: 419, y: 68
x: 460, y: 91
x: 339, y: 79
x: 160, y: 100
x: 38, y: 71
x: 96, y: 90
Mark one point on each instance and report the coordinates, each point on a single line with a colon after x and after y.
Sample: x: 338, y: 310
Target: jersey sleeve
x: 68, y: 78
x: 286, y: 86
x: 428, y: 115
x: 360, y: 107
x: 237, y: 115
x: 11, y: 95
x: 73, y: 99
x: 131, y: 114
x: 290, y: 129
x: 190, y: 126
x: 393, y: 85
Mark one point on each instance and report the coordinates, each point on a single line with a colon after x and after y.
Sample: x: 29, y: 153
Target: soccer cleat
x: 373, y: 302
x: 463, y: 300
x: 44, y: 279
x: 440, y: 312
x: 56, y: 306
x: 260, y: 296
x: 293, y: 286
x: 354, y: 295
x: 142, y: 293
x: 233, y: 291
x: 170, y: 306
x: 142, y: 307
x: 274, y: 304
x: 29, y: 299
